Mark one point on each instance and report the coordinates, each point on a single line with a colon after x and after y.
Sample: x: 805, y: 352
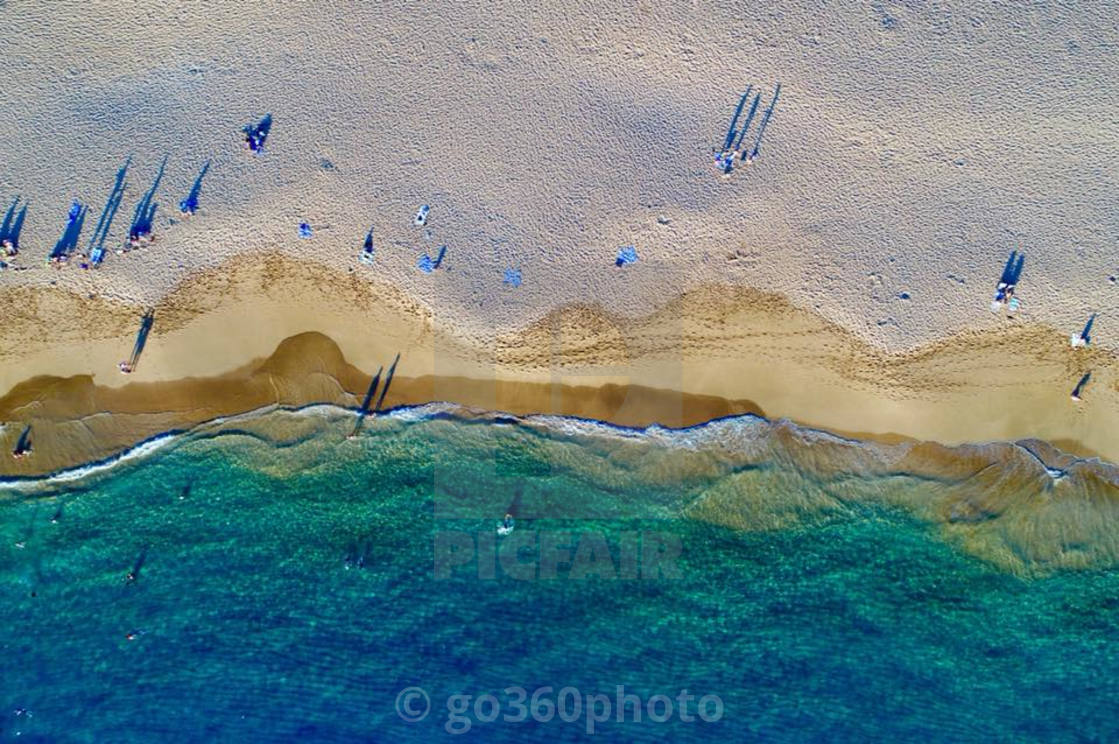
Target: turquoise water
x: 252, y: 619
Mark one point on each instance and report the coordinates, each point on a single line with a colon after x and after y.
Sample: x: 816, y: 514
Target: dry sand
x: 914, y: 145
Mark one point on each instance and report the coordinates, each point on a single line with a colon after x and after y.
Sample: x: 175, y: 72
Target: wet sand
x: 268, y: 331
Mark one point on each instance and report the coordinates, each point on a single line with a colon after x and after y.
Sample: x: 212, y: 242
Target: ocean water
x: 294, y: 582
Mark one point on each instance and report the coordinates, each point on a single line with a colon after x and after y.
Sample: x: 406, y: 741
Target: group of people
x: 141, y: 230
x: 1004, y: 297
x: 256, y: 134
x: 732, y: 146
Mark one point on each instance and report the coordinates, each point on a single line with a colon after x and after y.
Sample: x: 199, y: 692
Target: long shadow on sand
x: 141, y: 340
x: 189, y: 205
x: 12, y: 227
x: 764, y: 124
x: 144, y: 215
x: 69, y: 240
x: 97, y: 241
x: 1013, y: 269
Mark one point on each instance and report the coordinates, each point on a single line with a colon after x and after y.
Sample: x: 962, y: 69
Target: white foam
x: 735, y: 432
x: 144, y: 449
x: 411, y: 414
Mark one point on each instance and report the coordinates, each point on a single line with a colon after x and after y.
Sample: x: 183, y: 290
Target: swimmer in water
x: 508, y: 522
x: 135, y: 572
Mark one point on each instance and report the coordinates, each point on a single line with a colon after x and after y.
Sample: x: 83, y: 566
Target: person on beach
x: 127, y: 366
x: 139, y: 237
x: 1004, y: 290
x: 1076, y: 391
x: 367, y: 250
x: 23, y: 445
x: 10, y: 229
x: 1085, y: 336
x: 256, y: 134
x: 189, y: 205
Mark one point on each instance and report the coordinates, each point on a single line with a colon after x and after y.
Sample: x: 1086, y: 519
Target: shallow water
x: 822, y: 616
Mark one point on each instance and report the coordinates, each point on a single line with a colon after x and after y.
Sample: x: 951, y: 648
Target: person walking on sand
x: 23, y: 445
x: 127, y: 366
x: 1085, y: 336
x: 1076, y: 391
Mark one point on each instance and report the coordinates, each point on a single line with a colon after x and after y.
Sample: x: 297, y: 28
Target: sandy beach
x: 268, y: 330
x: 749, y: 368
x: 841, y: 280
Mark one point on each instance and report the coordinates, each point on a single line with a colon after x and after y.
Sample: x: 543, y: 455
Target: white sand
x: 914, y: 145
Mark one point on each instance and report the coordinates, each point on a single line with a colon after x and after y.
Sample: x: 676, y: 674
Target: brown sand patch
x: 261, y: 331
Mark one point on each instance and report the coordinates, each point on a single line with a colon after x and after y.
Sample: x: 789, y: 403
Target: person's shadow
x: 1086, y: 334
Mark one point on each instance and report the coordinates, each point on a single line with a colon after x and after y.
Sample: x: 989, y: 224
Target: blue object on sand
x: 512, y: 277
x: 367, y: 250
x: 69, y: 240
x: 189, y: 205
x: 304, y: 230
x: 256, y: 134
x: 427, y: 264
x: 626, y: 255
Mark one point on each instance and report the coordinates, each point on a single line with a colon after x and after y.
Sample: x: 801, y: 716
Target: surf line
x: 364, y: 410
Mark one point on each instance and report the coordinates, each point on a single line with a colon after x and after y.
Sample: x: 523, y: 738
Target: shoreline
x: 86, y: 423
x: 716, y: 411
x: 227, y: 341
x: 1022, y: 507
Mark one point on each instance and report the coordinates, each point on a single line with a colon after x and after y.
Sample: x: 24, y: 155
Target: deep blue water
x: 252, y: 620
